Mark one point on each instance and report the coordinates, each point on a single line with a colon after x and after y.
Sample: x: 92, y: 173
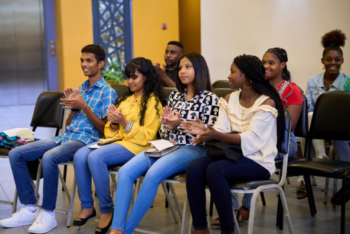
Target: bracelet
x: 128, y: 127
x: 113, y: 129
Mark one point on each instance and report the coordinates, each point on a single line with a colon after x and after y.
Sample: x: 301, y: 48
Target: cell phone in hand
x: 106, y: 142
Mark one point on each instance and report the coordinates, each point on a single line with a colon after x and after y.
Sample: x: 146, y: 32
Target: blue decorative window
x: 112, y: 29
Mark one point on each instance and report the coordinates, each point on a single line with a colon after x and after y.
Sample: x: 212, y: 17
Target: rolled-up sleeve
x: 259, y: 130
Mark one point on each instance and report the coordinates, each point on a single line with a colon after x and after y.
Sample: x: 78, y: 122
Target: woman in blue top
x: 330, y: 80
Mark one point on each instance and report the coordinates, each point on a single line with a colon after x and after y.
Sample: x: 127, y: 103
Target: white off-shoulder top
x: 257, y: 126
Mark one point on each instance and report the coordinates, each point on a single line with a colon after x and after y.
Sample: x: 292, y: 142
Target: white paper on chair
x: 95, y: 146
x: 12, y: 132
x: 161, y: 144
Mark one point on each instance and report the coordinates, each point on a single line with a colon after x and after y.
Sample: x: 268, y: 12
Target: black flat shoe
x: 81, y: 221
x: 105, y: 229
x: 338, y: 197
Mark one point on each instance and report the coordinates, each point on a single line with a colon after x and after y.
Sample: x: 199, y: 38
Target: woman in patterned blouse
x: 193, y: 100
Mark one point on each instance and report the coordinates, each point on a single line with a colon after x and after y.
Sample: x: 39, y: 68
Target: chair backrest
x: 302, y: 125
x: 284, y: 146
x: 120, y: 89
x: 168, y: 90
x: 221, y: 84
x: 222, y: 92
x: 331, y: 117
x: 54, y: 114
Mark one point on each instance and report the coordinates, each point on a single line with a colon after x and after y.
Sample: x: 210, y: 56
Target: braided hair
x: 333, y: 40
x: 151, y: 85
x: 254, y: 72
x: 281, y: 54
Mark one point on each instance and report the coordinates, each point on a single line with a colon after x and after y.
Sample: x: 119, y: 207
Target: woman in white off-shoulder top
x: 257, y: 114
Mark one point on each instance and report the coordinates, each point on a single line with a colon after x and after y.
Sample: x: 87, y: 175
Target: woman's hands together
x: 208, y: 135
x: 193, y: 127
x: 116, y: 116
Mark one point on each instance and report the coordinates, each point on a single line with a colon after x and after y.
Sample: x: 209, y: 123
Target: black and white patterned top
x: 204, y: 105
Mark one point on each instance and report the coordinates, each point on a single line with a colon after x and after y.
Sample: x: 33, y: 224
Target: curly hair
x: 151, y: 85
x: 333, y: 40
x: 254, y: 71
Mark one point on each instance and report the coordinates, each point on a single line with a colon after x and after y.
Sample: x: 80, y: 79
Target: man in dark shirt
x: 168, y: 73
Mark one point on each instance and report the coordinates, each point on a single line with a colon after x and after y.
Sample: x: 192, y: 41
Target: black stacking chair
x: 300, y: 131
x: 221, y: 84
x: 222, y: 92
x: 168, y: 90
x: 330, y: 121
x: 120, y: 89
x: 48, y: 112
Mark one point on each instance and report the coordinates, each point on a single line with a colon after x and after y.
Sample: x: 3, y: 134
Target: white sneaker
x: 43, y: 223
x: 20, y: 218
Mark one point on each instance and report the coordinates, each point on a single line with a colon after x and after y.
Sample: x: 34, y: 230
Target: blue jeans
x: 161, y: 169
x: 217, y: 175
x: 293, y: 148
x: 53, y: 154
x: 94, y: 163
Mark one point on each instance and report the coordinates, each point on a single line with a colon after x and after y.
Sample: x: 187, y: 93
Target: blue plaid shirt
x: 98, y: 98
x: 315, y: 87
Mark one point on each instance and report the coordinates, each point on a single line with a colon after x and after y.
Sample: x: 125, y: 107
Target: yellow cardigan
x: 137, y: 140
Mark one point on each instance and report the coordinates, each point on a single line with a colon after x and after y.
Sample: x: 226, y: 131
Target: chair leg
x: 14, y: 204
x: 184, y: 216
x: 64, y: 185
x: 310, y: 195
x: 252, y: 210
x: 263, y: 198
x: 170, y: 202
x: 285, y: 208
x: 64, y: 175
x: 238, y: 230
x: 279, y: 218
x: 166, y: 201
x: 37, y: 183
x: 177, y: 205
x: 71, y: 204
x: 326, y: 191
x: 211, y: 204
x: 342, y: 223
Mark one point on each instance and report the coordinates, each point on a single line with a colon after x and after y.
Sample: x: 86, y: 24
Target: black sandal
x: 81, y: 221
x: 215, y: 224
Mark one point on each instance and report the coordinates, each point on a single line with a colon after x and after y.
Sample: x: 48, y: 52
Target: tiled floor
x: 159, y: 219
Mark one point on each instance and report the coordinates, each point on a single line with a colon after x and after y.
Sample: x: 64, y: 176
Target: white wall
x: 233, y: 27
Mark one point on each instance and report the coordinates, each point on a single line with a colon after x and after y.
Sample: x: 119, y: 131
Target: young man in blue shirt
x: 88, y: 106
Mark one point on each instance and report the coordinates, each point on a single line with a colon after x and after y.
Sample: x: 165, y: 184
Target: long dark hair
x: 282, y: 56
x: 201, y: 80
x: 254, y: 72
x: 151, y: 85
x: 333, y: 40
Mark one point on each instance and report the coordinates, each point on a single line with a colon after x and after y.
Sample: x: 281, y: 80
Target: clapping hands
x: 193, y: 127
x: 73, y: 100
x: 171, y: 119
x: 114, y: 115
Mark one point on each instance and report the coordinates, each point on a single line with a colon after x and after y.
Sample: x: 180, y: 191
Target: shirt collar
x: 336, y: 83
x: 98, y: 84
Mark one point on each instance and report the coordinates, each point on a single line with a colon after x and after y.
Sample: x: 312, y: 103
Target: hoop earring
x: 247, y: 87
x: 323, y: 68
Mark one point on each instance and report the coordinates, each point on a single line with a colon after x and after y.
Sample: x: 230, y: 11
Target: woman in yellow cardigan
x: 134, y: 121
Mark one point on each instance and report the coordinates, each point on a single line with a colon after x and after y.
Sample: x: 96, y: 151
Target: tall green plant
x: 113, y: 72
